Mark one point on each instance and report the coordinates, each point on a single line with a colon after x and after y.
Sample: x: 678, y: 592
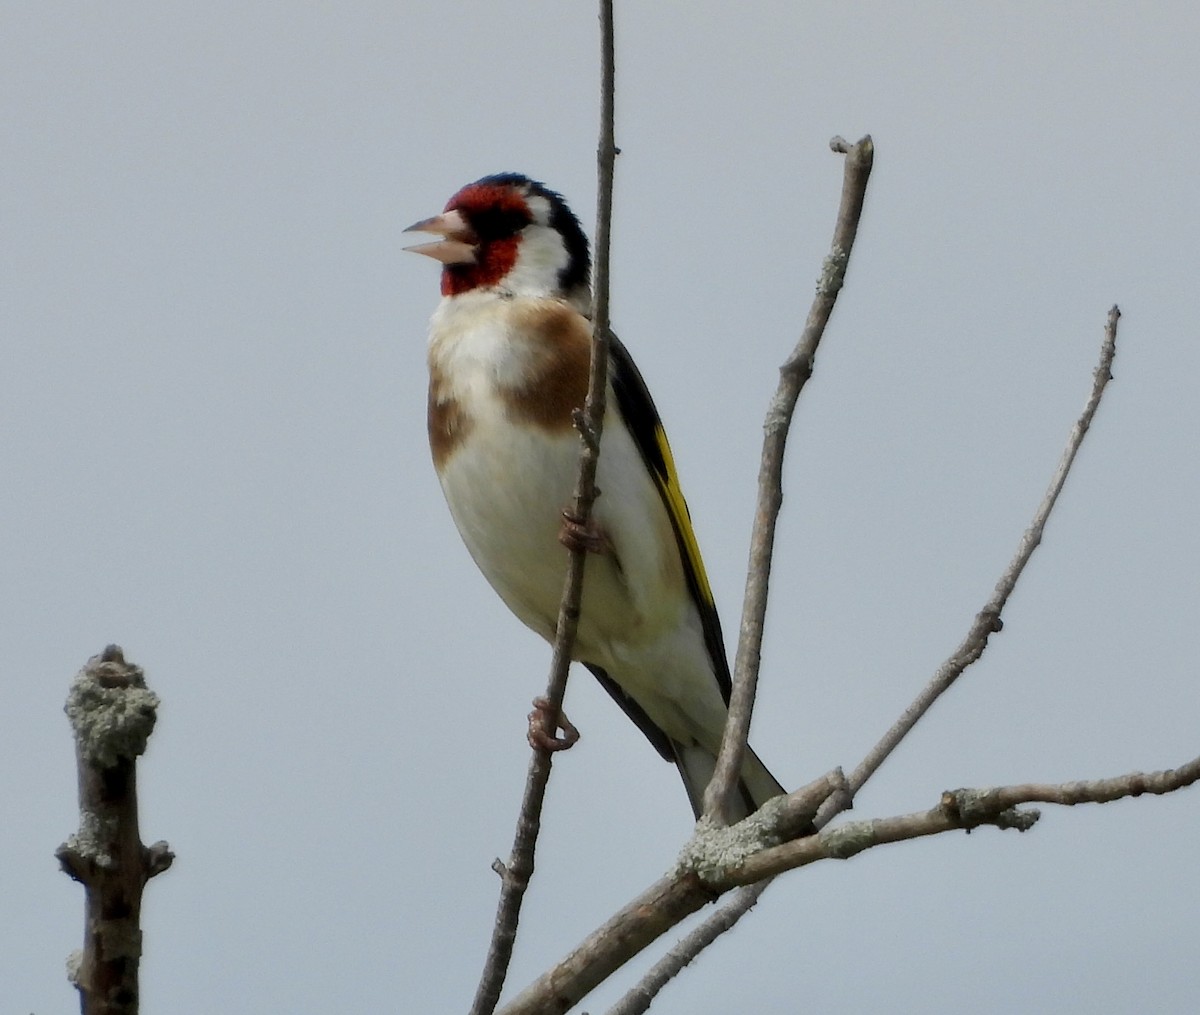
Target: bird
x: 508, y: 354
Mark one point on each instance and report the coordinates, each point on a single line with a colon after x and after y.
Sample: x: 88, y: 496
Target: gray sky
x: 213, y: 453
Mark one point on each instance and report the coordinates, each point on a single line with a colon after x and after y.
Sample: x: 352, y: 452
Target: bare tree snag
x: 112, y: 714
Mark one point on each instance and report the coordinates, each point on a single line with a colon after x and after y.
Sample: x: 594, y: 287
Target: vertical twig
x: 793, y: 375
x: 516, y: 874
x: 112, y: 714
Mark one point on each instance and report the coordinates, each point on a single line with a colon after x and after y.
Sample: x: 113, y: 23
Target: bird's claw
x: 544, y: 722
x: 577, y: 535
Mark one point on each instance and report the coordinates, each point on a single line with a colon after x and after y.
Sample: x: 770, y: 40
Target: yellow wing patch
x: 680, y: 516
x: 640, y: 415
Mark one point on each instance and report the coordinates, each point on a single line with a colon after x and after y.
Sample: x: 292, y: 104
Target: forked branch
x: 987, y: 622
x: 683, y: 892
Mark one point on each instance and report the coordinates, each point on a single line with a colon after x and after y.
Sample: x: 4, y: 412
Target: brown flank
x: 449, y: 424
x: 558, y: 380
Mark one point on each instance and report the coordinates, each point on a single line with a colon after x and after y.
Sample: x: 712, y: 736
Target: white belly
x: 507, y: 487
x: 507, y: 481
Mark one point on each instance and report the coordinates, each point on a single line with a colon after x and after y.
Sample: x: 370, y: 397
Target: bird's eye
x: 498, y: 223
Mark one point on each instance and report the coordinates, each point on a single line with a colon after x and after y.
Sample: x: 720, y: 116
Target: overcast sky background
x: 212, y: 451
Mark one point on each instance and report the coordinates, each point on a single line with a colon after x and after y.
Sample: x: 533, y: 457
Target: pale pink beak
x: 459, y: 245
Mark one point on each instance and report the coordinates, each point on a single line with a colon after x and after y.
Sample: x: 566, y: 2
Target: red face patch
x: 497, y: 213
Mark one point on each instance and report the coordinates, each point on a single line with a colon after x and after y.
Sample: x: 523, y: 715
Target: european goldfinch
x: 509, y: 351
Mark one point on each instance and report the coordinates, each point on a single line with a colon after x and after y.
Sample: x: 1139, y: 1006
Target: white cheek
x: 541, y: 258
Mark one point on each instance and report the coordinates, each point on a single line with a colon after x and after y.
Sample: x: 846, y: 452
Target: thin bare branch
x: 655, y: 911
x: 794, y: 374
x: 792, y: 377
x: 962, y: 808
x: 671, y: 899
x: 639, y: 999
x: 516, y: 874
x: 987, y: 622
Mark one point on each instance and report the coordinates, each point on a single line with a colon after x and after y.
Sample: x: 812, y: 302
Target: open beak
x: 459, y: 244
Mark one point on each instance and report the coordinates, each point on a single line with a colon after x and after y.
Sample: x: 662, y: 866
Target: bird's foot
x: 544, y: 722
x: 579, y: 535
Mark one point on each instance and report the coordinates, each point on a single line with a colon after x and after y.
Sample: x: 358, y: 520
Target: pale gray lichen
x: 74, y: 964
x: 833, y: 272
x: 846, y: 840
x: 713, y: 851
x: 89, y: 842
x: 110, y: 723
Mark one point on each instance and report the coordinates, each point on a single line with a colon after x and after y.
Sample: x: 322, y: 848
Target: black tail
x: 755, y: 787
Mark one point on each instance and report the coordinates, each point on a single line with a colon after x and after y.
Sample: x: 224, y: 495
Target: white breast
x: 509, y: 481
